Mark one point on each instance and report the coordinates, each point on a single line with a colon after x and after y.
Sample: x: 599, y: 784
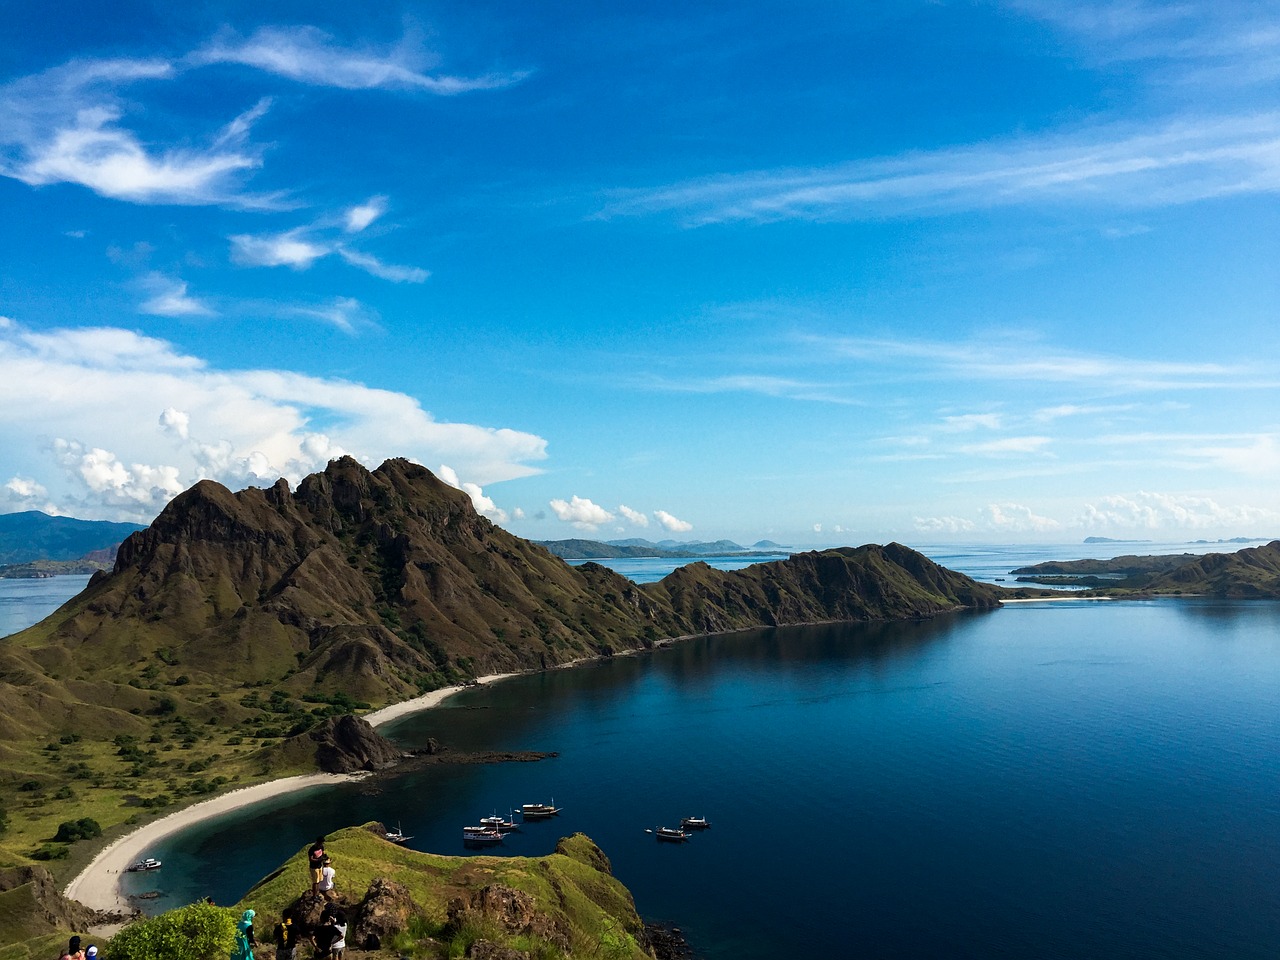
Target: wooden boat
x: 150, y: 863
x: 479, y: 835
x: 694, y: 823
x: 397, y: 835
x: 671, y: 834
x: 539, y: 811
x: 501, y: 824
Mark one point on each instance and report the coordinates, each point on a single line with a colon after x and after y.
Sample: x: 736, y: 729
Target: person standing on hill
x: 245, y: 940
x: 286, y: 937
x: 73, y: 951
x: 315, y: 859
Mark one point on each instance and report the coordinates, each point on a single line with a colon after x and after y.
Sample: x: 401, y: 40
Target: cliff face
x: 379, y: 585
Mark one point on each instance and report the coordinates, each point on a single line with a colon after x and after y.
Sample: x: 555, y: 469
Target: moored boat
x: 694, y: 823
x: 501, y: 824
x: 149, y: 863
x: 397, y: 835
x: 480, y: 835
x: 671, y: 834
x: 539, y: 811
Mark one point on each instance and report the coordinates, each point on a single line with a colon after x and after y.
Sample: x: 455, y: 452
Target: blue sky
x: 817, y: 272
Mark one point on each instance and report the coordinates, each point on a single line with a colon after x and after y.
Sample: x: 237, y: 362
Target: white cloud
x: 64, y: 126
x: 971, y: 421
x: 580, y: 512
x: 289, y: 249
x: 24, y: 493
x: 361, y: 215
x: 1147, y: 510
x: 634, y: 516
x: 944, y: 525
x: 309, y: 55
x: 169, y: 298
x: 102, y: 391
x: 175, y: 422
x: 1008, y: 445
x: 484, y: 505
x: 386, y: 271
x: 817, y: 528
x: 674, y: 524
x: 1015, y: 518
x: 1182, y: 161
x: 345, y: 313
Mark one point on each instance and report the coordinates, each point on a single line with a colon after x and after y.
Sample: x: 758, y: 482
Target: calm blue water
x: 24, y: 602
x: 1050, y: 780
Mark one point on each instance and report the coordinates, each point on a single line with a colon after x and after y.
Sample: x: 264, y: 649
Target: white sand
x: 98, y: 885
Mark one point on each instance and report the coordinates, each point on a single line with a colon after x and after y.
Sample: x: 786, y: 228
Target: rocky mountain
x: 32, y: 535
x: 379, y: 585
x: 1250, y: 573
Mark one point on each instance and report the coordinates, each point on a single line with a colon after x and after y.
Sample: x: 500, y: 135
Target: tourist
x: 73, y: 951
x: 286, y: 937
x: 338, y: 942
x: 245, y: 940
x: 327, y: 874
x: 91, y: 953
x: 315, y: 859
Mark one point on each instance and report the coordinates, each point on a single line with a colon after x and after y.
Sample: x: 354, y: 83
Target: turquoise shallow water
x: 1071, y: 779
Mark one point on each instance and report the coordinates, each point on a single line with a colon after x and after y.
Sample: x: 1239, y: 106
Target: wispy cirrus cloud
x: 370, y: 264
x: 64, y: 126
x: 300, y: 247
x: 1183, y: 161
x: 309, y: 55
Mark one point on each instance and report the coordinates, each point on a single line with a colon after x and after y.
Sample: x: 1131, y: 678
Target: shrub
x: 70, y: 831
x: 200, y: 931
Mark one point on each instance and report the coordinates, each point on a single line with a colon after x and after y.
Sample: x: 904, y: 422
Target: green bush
x: 70, y: 831
x: 50, y: 851
x: 200, y: 931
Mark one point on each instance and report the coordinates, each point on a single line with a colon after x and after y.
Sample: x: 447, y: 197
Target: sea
x: 1053, y: 779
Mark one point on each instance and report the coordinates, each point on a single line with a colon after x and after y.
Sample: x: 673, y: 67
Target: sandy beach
x: 98, y: 885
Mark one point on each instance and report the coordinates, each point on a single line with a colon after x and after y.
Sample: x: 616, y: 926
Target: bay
x: 1052, y: 779
x: 26, y: 601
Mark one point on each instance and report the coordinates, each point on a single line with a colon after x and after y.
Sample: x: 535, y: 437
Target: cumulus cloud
x: 115, y: 406
x: 169, y: 298
x: 634, y: 516
x: 24, y: 493
x: 580, y: 512
x: 945, y: 525
x: 674, y: 524
x: 309, y: 55
x: 1147, y: 510
x: 1015, y: 518
x: 484, y: 505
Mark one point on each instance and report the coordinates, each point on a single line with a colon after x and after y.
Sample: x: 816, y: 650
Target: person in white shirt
x: 326, y: 878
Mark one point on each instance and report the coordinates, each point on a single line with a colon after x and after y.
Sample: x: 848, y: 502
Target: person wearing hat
x: 245, y: 941
x: 92, y: 952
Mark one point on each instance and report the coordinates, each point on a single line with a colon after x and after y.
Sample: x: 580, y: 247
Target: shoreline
x: 98, y: 885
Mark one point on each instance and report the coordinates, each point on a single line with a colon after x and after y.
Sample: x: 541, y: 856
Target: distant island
x: 1111, y: 540
x: 1252, y: 573
x: 33, y: 535
x: 577, y: 549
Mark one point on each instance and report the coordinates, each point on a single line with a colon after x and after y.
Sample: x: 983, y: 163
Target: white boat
x: 479, y: 835
x: 397, y: 835
x: 501, y: 824
x: 671, y: 834
x: 539, y: 811
x: 694, y: 823
x: 150, y: 863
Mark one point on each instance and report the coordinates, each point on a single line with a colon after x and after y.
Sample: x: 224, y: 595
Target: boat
x: 694, y: 823
x: 672, y: 834
x: 539, y: 811
x: 501, y: 824
x: 479, y: 834
x: 397, y: 835
x: 150, y: 863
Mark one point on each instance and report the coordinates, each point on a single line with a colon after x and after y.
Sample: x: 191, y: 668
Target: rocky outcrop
x: 514, y: 911
x: 385, y: 910
x: 348, y: 744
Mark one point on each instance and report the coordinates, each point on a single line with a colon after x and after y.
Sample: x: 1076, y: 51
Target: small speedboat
x: 479, y: 835
x: 671, y: 834
x: 694, y: 823
x: 539, y: 811
x: 150, y: 863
